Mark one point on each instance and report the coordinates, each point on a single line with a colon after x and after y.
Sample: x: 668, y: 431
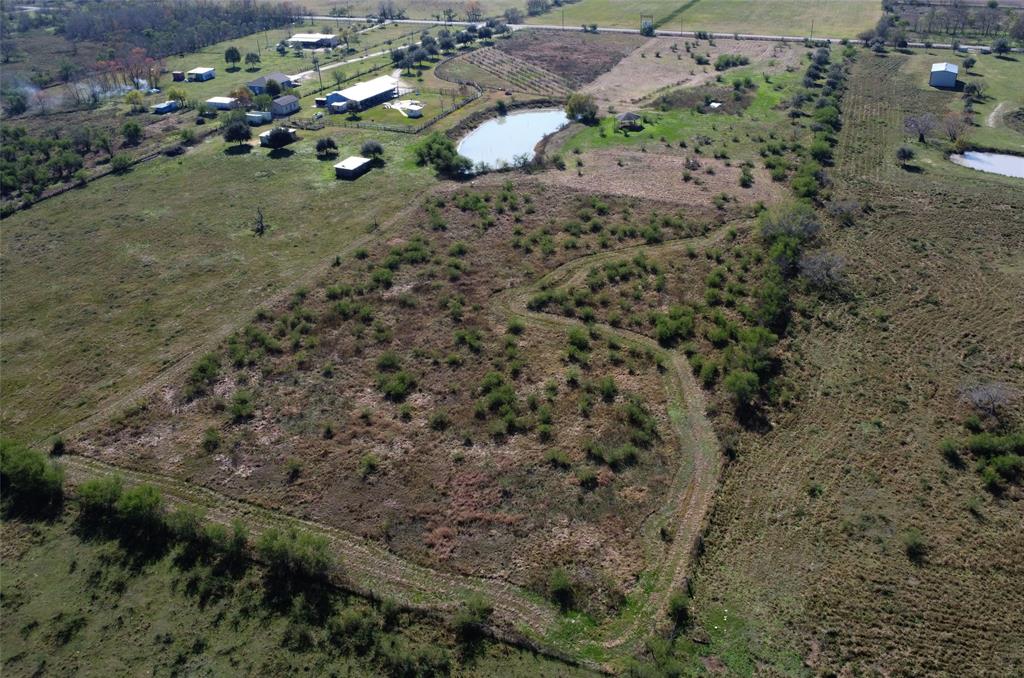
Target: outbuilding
x: 265, y: 136
x: 201, y: 74
x: 165, y: 107
x: 258, y: 117
x: 352, y: 167
x: 313, y: 40
x: 222, y: 103
x: 944, y: 75
x: 178, y: 76
x: 364, y: 95
x: 285, y: 105
x: 259, y: 85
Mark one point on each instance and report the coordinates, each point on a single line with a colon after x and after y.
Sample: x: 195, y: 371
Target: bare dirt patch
x: 656, y: 66
x: 577, y: 57
x: 659, y: 176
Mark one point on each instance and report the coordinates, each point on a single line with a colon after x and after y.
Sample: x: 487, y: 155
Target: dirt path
x: 696, y: 478
x: 371, y: 569
x: 996, y: 115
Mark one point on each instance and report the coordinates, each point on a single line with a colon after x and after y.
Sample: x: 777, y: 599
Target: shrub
x: 560, y: 588
x: 557, y: 458
x: 140, y: 510
x: 439, y: 421
x: 743, y: 385
x: 353, y: 629
x: 211, y: 439
x: 396, y: 386
x: 679, y: 609
x: 439, y: 152
x: 326, y: 146
x: 915, y: 545
x: 98, y: 496
x: 607, y: 388
x: 472, y: 617
x: 368, y: 464
x: 293, y: 553
x: 30, y: 484
x: 202, y: 376
x: 242, y: 406
x: 120, y: 163
x: 727, y: 61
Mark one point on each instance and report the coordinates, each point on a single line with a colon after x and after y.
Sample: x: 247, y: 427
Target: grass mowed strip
x: 831, y: 18
x: 107, y: 286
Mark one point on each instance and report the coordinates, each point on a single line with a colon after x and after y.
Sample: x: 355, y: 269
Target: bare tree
x: 823, y: 271
x: 955, y: 126
x: 990, y: 398
x: 921, y: 125
x: 259, y: 227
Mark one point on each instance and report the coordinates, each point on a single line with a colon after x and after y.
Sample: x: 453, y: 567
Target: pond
x: 497, y: 142
x: 997, y: 163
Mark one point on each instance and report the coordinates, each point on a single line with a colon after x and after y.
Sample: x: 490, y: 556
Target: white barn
x: 944, y: 75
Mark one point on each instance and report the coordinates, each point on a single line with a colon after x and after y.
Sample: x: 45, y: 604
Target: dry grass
x: 805, y: 549
x: 657, y: 66
x: 462, y: 498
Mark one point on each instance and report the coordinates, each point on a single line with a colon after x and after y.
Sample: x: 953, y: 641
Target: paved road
x: 680, y: 34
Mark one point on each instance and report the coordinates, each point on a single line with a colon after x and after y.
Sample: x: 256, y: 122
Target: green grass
x: 759, y: 118
x: 1002, y: 79
x: 89, y: 608
x: 362, y: 42
x: 832, y: 18
x: 106, y: 286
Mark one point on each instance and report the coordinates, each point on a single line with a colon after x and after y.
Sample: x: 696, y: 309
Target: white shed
x: 352, y: 167
x: 222, y: 103
x: 944, y: 75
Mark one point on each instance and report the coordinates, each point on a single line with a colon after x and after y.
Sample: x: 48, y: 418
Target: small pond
x: 499, y: 141
x: 997, y: 163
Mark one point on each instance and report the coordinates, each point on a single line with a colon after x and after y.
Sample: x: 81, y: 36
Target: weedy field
x: 726, y: 388
x: 870, y: 549
x: 154, y: 263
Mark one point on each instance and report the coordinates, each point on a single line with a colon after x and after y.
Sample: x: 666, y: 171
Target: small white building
x: 222, y: 103
x: 944, y: 75
x: 313, y: 40
x: 200, y: 74
x: 352, y: 167
x: 258, y: 117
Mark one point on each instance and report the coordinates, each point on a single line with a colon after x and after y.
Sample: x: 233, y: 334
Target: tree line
x: 163, y: 27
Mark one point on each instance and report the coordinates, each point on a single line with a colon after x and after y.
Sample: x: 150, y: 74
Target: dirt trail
x: 366, y: 567
x: 996, y: 114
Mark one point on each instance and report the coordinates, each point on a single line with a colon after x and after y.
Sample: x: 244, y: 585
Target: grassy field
x: 164, y: 261
x: 807, y: 549
x: 832, y: 18
x: 88, y: 607
x: 360, y: 40
x: 414, y: 9
x: 1002, y: 80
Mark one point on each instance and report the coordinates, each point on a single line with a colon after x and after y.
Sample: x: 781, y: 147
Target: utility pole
x: 812, y: 30
x: 563, y: 18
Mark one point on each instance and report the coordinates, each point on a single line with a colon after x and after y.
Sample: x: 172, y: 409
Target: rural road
x: 659, y: 32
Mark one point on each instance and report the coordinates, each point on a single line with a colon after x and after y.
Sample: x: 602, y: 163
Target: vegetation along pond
x: 998, y: 163
x: 499, y: 141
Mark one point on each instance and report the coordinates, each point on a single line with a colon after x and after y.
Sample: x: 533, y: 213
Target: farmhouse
x: 364, y: 95
x: 285, y: 105
x: 201, y: 74
x: 944, y: 75
x: 222, y: 103
x: 265, y: 136
x: 165, y: 107
x: 259, y: 85
x: 352, y: 167
x: 628, y: 120
x: 313, y: 40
